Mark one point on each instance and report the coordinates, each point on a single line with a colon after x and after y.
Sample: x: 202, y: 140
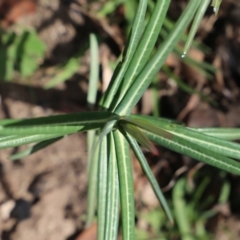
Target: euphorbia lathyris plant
x: 110, y: 172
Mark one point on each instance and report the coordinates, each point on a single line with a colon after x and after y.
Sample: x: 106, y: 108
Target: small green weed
x: 21, y: 53
x: 110, y: 169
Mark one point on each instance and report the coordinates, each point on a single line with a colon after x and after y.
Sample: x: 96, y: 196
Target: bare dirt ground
x: 44, y: 195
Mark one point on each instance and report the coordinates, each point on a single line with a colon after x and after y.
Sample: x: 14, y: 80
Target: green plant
x: 22, y: 53
x: 116, y: 128
x: 190, y: 221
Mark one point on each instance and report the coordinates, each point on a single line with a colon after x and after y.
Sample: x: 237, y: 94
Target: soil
x: 43, y: 197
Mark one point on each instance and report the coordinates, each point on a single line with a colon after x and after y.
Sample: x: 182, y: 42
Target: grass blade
x: 94, y: 71
x: 92, y: 185
x: 65, y: 72
x: 216, y: 5
x: 133, y: 40
x: 140, y: 137
x: 102, y: 188
x: 112, y: 194
x: 67, y: 119
x: 147, y: 170
x: 214, y: 144
x: 180, y: 210
x: 223, y: 133
x: 91, y: 135
x: 34, y: 148
x: 26, y: 131
x: 197, y: 19
x: 60, y: 124
x: 144, y: 79
x: 126, y: 186
x: 144, y: 48
x: 14, y: 141
x: 195, y: 151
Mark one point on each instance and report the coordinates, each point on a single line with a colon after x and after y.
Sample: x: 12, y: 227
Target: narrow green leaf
x: 60, y: 124
x: 137, y: 134
x: 220, y: 146
x: 107, y: 128
x: 144, y: 79
x: 33, y: 149
x: 144, y: 48
x: 181, y: 212
x: 63, y: 119
x: 93, y: 154
x: 64, y: 72
x: 112, y: 194
x: 168, y: 25
x: 4, y: 138
x: 147, y: 125
x: 147, y: 170
x: 102, y: 188
x: 216, y: 4
x: 198, y: 152
x: 92, y: 185
x: 130, y: 9
x: 94, y: 70
x: 91, y: 136
x: 214, y: 144
x: 223, y: 133
x: 126, y: 185
x: 196, y: 22
x: 8, y: 121
x: 47, y: 129
x: 133, y: 40
x: 14, y: 141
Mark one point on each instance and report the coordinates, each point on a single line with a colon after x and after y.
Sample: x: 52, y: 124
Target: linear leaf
x: 14, y: 141
x: 133, y: 40
x: 195, y: 151
x: 197, y: 19
x: 144, y: 48
x: 60, y: 124
x: 147, y: 170
x: 140, y: 137
x: 92, y: 185
x: 47, y: 129
x: 66, y: 70
x: 64, y: 73
x: 33, y: 149
x: 214, y: 144
x: 147, y: 125
x: 102, y: 188
x: 112, y: 194
x: 91, y: 135
x: 168, y: 25
x: 216, y: 5
x: 144, y: 79
x: 94, y: 70
x: 180, y: 210
x: 67, y: 119
x: 126, y: 185
x: 8, y: 121
x: 223, y: 133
